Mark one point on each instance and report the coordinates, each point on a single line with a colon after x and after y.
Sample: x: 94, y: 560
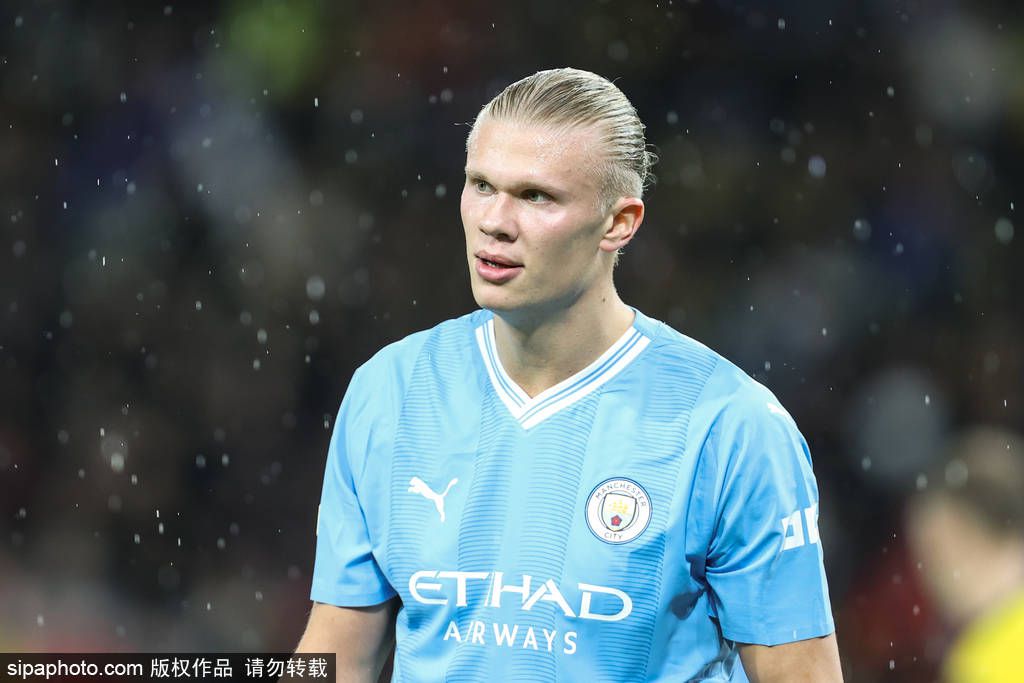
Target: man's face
x: 531, y: 209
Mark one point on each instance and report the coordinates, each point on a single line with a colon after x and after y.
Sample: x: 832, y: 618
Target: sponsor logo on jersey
x: 618, y: 510
x: 434, y: 587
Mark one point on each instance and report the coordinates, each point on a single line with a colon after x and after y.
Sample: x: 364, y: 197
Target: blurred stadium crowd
x: 212, y: 213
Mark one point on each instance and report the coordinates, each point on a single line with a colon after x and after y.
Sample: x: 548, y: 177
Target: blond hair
x: 573, y: 97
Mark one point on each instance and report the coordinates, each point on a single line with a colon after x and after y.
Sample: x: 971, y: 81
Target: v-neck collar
x: 530, y: 412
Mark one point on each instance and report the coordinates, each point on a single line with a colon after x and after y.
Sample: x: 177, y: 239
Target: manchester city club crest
x: 618, y: 510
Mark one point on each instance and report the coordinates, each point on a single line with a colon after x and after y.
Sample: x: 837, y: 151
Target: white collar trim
x: 532, y: 411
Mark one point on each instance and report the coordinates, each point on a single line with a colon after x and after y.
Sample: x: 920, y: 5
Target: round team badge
x: 618, y: 510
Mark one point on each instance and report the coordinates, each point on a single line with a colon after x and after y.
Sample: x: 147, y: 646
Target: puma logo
x: 417, y: 485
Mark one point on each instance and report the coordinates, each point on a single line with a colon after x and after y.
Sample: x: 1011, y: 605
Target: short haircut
x: 984, y: 471
x: 573, y: 97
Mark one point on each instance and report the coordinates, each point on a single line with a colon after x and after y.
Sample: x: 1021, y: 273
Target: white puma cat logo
x: 417, y: 485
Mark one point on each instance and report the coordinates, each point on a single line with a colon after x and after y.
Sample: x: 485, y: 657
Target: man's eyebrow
x: 521, y: 185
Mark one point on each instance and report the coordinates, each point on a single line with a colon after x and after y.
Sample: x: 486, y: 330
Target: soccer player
x: 556, y: 486
x: 967, y: 531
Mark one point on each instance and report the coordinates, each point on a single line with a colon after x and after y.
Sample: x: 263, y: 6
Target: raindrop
x: 315, y: 287
x: 440, y: 191
x: 861, y: 229
x: 816, y: 166
x: 672, y: 118
x: 956, y: 473
x: 618, y: 51
x: 261, y: 336
x: 1004, y: 230
x: 356, y: 116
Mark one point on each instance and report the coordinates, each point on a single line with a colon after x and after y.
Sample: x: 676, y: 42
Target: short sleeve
x: 764, y: 565
x: 345, y: 572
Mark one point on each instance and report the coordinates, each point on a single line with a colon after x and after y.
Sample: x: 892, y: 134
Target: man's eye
x: 482, y: 185
x: 535, y: 196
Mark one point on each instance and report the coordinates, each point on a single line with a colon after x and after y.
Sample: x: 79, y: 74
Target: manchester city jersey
x: 632, y: 523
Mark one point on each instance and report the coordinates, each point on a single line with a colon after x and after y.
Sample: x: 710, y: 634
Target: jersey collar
x: 532, y: 411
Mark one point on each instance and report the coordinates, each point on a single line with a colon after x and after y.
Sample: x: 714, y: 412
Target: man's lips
x: 496, y: 269
x: 497, y: 260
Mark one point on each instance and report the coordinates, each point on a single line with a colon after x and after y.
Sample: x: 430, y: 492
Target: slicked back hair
x: 573, y: 97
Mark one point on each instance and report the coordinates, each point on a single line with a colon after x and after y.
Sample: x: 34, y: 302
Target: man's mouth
x: 495, y: 269
x: 497, y: 261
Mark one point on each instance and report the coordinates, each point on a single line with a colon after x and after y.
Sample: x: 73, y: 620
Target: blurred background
x: 211, y: 213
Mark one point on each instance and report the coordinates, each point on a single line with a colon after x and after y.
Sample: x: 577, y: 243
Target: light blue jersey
x: 629, y: 524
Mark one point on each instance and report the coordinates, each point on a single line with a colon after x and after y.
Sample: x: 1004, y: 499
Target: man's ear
x: 627, y: 215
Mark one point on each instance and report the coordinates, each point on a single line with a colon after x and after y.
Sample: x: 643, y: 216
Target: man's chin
x: 498, y: 304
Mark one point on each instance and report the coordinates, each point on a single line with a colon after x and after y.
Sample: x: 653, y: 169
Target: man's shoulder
x: 727, y: 392
x: 447, y: 337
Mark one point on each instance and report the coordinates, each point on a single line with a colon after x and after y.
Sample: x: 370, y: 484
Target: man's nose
x: 499, y: 219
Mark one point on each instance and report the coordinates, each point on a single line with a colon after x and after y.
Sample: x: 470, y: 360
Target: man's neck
x: 544, y: 352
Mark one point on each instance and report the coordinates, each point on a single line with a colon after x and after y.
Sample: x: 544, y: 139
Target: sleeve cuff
x: 340, y: 598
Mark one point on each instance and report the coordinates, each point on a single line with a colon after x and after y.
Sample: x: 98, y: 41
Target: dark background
x: 212, y: 213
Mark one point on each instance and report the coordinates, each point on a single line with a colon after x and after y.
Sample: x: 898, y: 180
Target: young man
x: 557, y: 487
